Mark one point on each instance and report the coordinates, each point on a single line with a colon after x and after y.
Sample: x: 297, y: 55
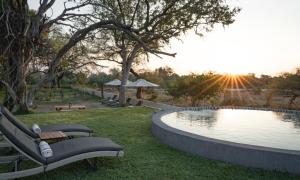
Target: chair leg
x: 17, y: 165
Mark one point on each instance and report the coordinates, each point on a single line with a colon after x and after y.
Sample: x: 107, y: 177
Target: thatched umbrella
x: 115, y: 82
x: 141, y: 83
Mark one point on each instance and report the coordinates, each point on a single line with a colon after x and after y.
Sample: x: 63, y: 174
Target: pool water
x: 254, y: 127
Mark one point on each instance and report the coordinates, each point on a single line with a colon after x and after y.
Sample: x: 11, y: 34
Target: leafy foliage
x: 195, y: 87
x: 99, y: 79
x: 161, y: 76
x: 287, y: 84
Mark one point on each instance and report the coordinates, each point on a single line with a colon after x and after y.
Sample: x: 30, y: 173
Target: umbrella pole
x: 139, y: 93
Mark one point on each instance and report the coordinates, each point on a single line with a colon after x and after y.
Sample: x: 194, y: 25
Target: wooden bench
x: 59, y: 108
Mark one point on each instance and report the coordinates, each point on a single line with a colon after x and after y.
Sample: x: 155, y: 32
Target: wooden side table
x: 53, y: 135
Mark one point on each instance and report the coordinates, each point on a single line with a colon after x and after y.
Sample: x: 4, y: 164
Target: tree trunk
x: 292, y: 100
x: 126, y: 66
x: 19, y: 42
x: 125, y: 75
x: 139, y: 93
x: 193, y: 101
x: 17, y: 83
x: 59, y: 79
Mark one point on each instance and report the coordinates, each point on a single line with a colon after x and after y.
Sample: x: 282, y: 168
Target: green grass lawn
x: 145, y: 157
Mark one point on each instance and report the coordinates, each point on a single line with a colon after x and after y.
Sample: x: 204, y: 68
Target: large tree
x: 22, y: 32
x: 156, y: 23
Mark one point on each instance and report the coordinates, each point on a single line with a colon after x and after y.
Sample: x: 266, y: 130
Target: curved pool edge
x: 235, y: 153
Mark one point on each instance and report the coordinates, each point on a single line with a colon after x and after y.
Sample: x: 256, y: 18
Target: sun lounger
x: 109, y: 100
x: 104, y: 100
x: 128, y: 103
x: 139, y: 103
x: 68, y: 129
x: 113, y: 103
x: 64, y: 152
x: 116, y: 103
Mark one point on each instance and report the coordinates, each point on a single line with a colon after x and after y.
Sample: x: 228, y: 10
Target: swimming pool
x: 255, y: 127
x: 258, y: 138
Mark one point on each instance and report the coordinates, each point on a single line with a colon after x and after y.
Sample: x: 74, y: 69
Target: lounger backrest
x: 19, y: 139
x: 139, y: 103
x: 128, y: 100
x: 114, y: 97
x: 17, y: 122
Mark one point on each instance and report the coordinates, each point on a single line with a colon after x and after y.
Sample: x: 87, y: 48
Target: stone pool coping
x: 231, y: 152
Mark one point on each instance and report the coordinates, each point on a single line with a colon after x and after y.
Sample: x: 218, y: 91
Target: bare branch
x: 135, y: 10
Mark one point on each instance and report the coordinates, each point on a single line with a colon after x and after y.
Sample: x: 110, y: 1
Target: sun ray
x: 231, y: 87
x: 244, y: 86
x: 227, y: 83
x: 234, y: 78
x: 248, y: 82
x: 223, y: 84
x: 210, y: 85
x: 226, y: 86
x: 247, y: 93
x: 204, y: 82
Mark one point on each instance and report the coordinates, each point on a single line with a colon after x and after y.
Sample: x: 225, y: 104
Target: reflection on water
x: 197, y: 118
x: 291, y: 118
x: 255, y: 127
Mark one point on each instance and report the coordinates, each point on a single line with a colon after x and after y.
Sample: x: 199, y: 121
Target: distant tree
x: 265, y: 80
x: 288, y: 84
x: 196, y: 87
x: 81, y: 78
x: 159, y: 76
x: 151, y: 76
x: 99, y: 80
x: 177, y: 87
x: 115, y: 73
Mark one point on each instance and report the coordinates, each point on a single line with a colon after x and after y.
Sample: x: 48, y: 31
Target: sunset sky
x: 265, y: 39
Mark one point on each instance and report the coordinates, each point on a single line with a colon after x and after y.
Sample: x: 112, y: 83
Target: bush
x: 196, y: 87
x: 233, y: 102
x: 257, y: 91
x: 153, y: 96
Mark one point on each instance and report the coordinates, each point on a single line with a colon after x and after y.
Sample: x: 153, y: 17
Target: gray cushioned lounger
x: 64, y: 152
x: 69, y: 129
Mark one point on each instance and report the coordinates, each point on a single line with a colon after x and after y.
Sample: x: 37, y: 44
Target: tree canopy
x: 196, y: 87
x: 121, y: 31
